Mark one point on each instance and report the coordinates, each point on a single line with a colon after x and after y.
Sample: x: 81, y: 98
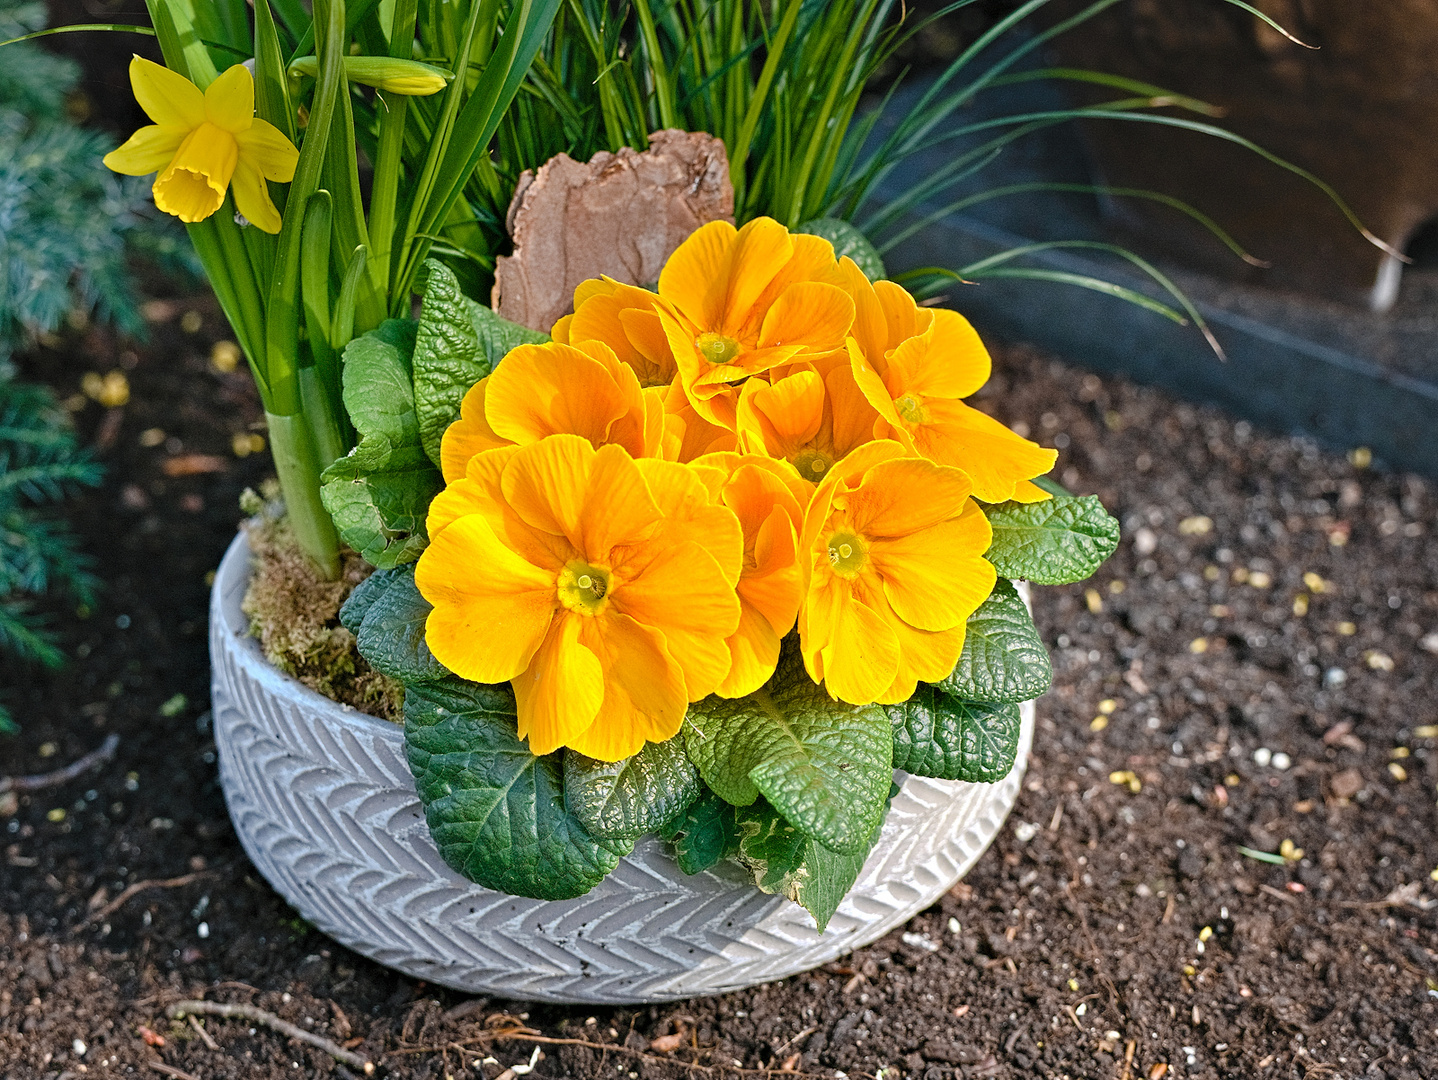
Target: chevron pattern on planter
x: 324, y: 804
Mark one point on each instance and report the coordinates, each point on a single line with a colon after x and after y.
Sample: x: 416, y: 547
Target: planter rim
x: 324, y: 804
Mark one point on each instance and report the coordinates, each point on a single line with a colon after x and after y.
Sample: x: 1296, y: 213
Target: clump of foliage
x: 39, y: 464
x: 67, y: 224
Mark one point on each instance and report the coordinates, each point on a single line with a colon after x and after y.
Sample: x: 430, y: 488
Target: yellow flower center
x: 910, y: 409
x: 848, y: 553
x: 716, y: 348
x: 584, y: 588
x: 812, y: 464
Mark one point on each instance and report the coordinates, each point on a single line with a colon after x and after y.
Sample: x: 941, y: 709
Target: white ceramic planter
x: 324, y: 803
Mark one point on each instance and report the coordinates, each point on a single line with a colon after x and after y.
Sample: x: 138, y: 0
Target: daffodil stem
x: 297, y: 462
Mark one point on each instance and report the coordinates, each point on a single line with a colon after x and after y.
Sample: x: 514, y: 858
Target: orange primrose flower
x: 738, y: 302
x: 893, y: 550
x: 916, y: 386
x: 600, y: 585
x: 201, y: 143
x: 768, y: 498
x: 626, y: 319
x: 549, y: 389
x: 808, y: 420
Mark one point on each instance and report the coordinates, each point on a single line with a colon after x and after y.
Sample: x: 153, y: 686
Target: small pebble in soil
x: 1263, y: 757
x: 1025, y: 831
x: 203, y: 930
x: 79, y: 1047
x: 1282, y: 761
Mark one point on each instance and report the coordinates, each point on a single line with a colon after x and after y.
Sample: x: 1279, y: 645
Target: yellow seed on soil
x: 1378, y: 661
x: 1098, y: 723
x: 1093, y: 600
x: 1107, y: 706
x: 1211, y: 573
x: 57, y: 814
x: 191, y: 321
x: 1259, y: 580
x: 111, y: 390
x: 1290, y: 851
x: 1347, y: 629
x: 1205, y: 933
x: 1116, y: 587
x: 1232, y: 780
x: 1198, y: 645
x: 1300, y: 605
x: 48, y: 749
x: 225, y: 356
x: 1427, y: 731
x: 1315, y: 583
x: 1397, y: 771
x: 1127, y: 778
x: 1434, y: 874
x: 1360, y: 457
x: 1074, y: 985
x: 1220, y: 611
x: 1189, y: 969
x: 1399, y: 752
x: 152, y: 436
x: 1199, y: 525
x: 1240, y: 574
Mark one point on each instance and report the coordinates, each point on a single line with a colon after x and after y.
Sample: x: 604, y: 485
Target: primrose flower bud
x: 408, y: 77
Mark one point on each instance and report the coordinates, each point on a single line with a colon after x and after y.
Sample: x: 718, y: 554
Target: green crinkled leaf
x: 459, y: 343
x: 941, y: 736
x: 623, y: 799
x: 1004, y: 659
x: 496, y: 811
x: 380, y: 492
x: 823, y: 764
x: 848, y: 240
x: 704, y: 833
x: 1055, y: 542
x: 388, y: 624
x: 785, y: 861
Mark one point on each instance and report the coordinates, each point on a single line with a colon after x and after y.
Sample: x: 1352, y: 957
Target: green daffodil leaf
x: 623, y: 799
x: 497, y: 812
x: 380, y: 492
x: 940, y: 736
x: 459, y: 343
x: 1004, y: 660
x: 1055, y: 542
x: 823, y: 764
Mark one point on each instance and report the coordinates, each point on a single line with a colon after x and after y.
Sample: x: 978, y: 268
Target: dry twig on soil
x: 170, y: 1070
x: 139, y: 887
x: 270, y: 1020
x: 74, y: 770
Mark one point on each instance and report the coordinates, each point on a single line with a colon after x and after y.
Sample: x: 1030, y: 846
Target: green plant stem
x: 297, y: 462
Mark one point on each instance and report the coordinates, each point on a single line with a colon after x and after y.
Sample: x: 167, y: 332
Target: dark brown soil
x: 1114, y: 929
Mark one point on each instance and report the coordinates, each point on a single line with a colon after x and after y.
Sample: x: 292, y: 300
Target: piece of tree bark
x: 621, y: 215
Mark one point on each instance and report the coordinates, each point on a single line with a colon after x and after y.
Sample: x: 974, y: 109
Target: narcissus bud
x: 409, y: 77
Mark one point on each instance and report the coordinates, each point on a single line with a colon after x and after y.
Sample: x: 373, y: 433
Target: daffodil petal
x: 230, y: 99
x: 492, y: 609
x: 252, y: 198
x: 148, y: 150
x: 936, y: 578
x: 265, y: 147
x: 644, y: 694
x: 167, y: 97
x: 559, y: 694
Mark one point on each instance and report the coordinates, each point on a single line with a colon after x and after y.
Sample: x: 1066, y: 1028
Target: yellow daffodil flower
x: 893, y: 552
x: 601, y: 585
x: 202, y: 143
x: 768, y: 498
x: 551, y: 389
x: 738, y: 302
